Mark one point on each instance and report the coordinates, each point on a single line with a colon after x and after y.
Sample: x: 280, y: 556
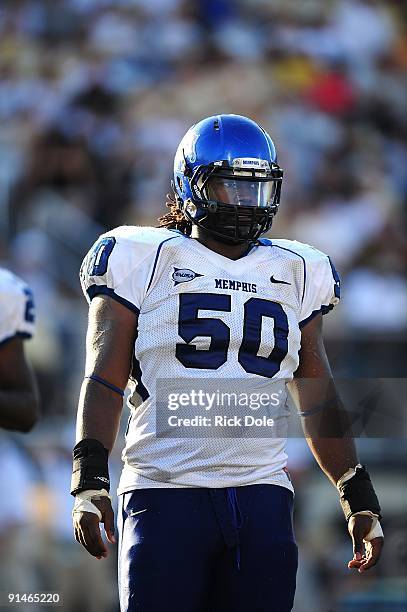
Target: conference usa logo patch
x: 183, y: 275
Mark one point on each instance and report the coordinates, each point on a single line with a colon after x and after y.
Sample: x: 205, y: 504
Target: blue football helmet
x: 226, y: 178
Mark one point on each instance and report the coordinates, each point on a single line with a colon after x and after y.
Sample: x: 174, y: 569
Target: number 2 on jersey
x: 29, y: 313
x: 190, y: 326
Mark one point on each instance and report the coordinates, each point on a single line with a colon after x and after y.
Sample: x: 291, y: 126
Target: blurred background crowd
x: 94, y: 97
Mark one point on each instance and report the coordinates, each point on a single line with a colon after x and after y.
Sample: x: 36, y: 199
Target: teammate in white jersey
x: 19, y: 405
x: 199, y: 302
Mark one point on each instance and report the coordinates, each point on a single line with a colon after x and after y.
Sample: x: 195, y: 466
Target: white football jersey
x: 16, y: 307
x: 202, y: 316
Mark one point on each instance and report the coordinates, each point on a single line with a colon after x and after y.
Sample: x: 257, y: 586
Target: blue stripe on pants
x: 183, y: 550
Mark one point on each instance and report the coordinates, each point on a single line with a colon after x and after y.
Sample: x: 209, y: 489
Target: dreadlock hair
x: 175, y: 218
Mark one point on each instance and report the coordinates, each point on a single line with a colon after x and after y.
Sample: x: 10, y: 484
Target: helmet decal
x: 250, y: 162
x: 189, y: 146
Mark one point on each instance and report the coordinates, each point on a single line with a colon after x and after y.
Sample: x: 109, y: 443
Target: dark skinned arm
x: 19, y: 400
x: 109, y: 349
x: 327, y: 431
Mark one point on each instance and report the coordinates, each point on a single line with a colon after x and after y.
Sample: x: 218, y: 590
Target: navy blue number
x: 100, y: 256
x: 254, y: 311
x: 29, y: 313
x: 190, y: 327
x: 337, y: 279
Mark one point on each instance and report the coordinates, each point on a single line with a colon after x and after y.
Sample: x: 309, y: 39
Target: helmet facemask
x: 234, y: 204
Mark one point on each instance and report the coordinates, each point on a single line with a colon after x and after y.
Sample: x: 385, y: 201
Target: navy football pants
x: 207, y: 550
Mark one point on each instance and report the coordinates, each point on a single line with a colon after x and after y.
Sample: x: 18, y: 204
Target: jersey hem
x: 22, y: 335
x: 323, y: 310
x: 95, y: 290
x: 142, y: 482
x: 127, y: 489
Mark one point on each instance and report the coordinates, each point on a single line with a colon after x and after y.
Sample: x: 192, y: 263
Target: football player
x: 204, y: 522
x: 19, y: 404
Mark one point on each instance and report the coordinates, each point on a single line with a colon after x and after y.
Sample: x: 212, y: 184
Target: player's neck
x: 232, y: 251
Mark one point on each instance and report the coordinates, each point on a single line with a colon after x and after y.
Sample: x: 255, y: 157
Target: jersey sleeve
x: 322, y: 286
x: 17, y: 308
x: 118, y: 265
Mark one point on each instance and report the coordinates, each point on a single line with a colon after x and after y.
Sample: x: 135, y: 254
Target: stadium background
x: 94, y: 96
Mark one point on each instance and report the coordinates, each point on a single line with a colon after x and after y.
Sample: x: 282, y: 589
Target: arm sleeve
x: 16, y: 308
x: 117, y: 265
x: 322, y: 286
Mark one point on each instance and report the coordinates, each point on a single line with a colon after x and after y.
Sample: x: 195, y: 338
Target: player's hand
x: 87, y: 531
x: 365, y: 554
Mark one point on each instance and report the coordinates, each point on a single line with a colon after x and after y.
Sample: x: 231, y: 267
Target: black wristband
x: 90, y: 466
x: 357, y: 494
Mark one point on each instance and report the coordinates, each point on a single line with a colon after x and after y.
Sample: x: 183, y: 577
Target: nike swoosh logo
x: 274, y: 280
x: 134, y: 512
